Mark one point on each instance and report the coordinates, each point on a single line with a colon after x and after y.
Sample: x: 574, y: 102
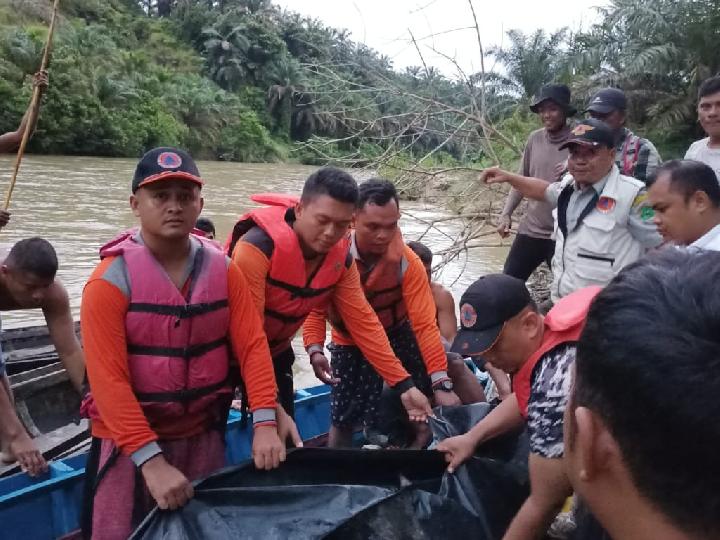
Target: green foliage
x: 124, y: 84
x: 246, y: 80
x: 530, y: 61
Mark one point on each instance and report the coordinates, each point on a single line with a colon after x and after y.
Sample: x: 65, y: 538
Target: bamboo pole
x: 33, y: 108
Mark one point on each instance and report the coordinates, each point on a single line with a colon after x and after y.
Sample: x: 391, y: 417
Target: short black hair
x: 709, y: 87
x: 333, y: 182
x: 422, y: 251
x: 648, y: 362
x: 205, y: 225
x: 377, y: 191
x: 688, y: 176
x: 35, y: 256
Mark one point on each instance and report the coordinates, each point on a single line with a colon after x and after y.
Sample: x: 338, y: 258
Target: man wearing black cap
x: 634, y: 156
x: 541, y: 158
x: 604, y: 221
x: 160, y: 316
x: 500, y: 321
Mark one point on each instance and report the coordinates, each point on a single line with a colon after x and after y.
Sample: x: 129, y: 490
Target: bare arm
x: 502, y: 419
x: 62, y: 332
x: 532, y: 188
x: 549, y: 488
x: 9, y: 142
x: 13, y: 432
x: 501, y: 380
x: 446, y: 319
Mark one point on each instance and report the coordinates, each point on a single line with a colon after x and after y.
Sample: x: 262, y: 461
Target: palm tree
x: 658, y: 52
x: 226, y: 53
x: 288, y: 84
x: 530, y: 61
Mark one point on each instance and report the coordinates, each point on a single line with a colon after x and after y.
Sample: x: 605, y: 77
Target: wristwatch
x: 443, y: 386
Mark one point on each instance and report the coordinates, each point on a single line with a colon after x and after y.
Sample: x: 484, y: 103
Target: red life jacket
x: 382, y: 285
x: 563, y: 324
x: 178, y: 354
x: 289, y: 295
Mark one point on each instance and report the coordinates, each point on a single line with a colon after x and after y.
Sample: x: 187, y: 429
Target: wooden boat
x: 45, y: 399
x: 49, y: 507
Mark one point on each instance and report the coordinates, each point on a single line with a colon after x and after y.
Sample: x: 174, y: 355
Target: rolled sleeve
x: 641, y: 224
x: 552, y: 193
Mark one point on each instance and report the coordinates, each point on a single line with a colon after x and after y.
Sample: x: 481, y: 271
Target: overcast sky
x: 384, y: 25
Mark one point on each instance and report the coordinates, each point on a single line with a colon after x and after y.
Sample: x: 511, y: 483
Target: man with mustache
x: 603, y: 219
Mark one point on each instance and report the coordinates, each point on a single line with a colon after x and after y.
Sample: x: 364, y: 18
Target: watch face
x: 446, y: 386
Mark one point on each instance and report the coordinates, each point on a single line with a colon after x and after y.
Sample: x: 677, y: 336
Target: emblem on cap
x: 169, y: 160
x: 605, y: 205
x: 468, y: 316
x: 582, y: 129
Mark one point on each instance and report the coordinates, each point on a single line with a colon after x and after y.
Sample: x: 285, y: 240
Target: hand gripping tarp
x: 359, y: 494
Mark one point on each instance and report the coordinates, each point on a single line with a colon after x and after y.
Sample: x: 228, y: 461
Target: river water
x: 78, y: 203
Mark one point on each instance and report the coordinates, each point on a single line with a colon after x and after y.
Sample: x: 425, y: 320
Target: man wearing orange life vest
x: 395, y: 284
x: 500, y: 321
x: 163, y: 315
x: 296, y: 258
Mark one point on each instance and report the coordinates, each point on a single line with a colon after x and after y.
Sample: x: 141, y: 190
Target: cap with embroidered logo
x: 485, y: 307
x: 591, y: 132
x: 165, y: 164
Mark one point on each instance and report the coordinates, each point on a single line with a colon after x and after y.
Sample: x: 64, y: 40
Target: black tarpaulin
x: 359, y: 494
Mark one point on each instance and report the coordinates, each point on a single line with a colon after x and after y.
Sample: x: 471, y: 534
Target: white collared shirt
x: 710, y: 241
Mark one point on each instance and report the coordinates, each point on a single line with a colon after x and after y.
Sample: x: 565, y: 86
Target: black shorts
x: 355, y: 398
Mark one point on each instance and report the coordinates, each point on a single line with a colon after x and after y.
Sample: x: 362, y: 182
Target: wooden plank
x: 14, y: 339
x: 36, y: 385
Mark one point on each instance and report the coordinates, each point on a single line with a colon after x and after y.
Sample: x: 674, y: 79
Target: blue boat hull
x: 49, y: 507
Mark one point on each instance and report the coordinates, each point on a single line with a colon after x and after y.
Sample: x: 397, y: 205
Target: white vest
x: 597, y: 249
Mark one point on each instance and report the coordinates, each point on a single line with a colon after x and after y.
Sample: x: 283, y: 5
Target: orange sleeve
x: 249, y: 343
x: 102, y: 315
x: 315, y: 328
x: 421, y: 312
x: 255, y: 266
x: 365, y: 328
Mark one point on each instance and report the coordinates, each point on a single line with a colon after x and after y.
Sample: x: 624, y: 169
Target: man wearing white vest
x: 603, y: 220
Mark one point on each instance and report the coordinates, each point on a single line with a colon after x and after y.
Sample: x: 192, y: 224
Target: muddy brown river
x: 78, y: 203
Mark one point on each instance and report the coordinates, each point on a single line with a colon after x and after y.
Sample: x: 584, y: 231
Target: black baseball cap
x: 485, y: 308
x: 557, y: 93
x: 607, y: 100
x: 165, y: 163
x: 591, y: 132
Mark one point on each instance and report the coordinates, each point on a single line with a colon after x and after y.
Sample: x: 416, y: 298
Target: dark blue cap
x: 607, y: 100
x: 485, y: 308
x: 591, y: 132
x: 165, y: 164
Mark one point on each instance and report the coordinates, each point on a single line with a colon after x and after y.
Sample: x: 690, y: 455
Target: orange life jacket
x: 289, y: 295
x: 382, y: 285
x: 563, y: 324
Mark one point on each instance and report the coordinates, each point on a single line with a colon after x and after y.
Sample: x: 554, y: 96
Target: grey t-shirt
x: 540, y: 159
x: 700, y: 151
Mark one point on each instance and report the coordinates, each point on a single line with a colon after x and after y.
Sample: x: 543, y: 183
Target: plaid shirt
x: 641, y: 166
